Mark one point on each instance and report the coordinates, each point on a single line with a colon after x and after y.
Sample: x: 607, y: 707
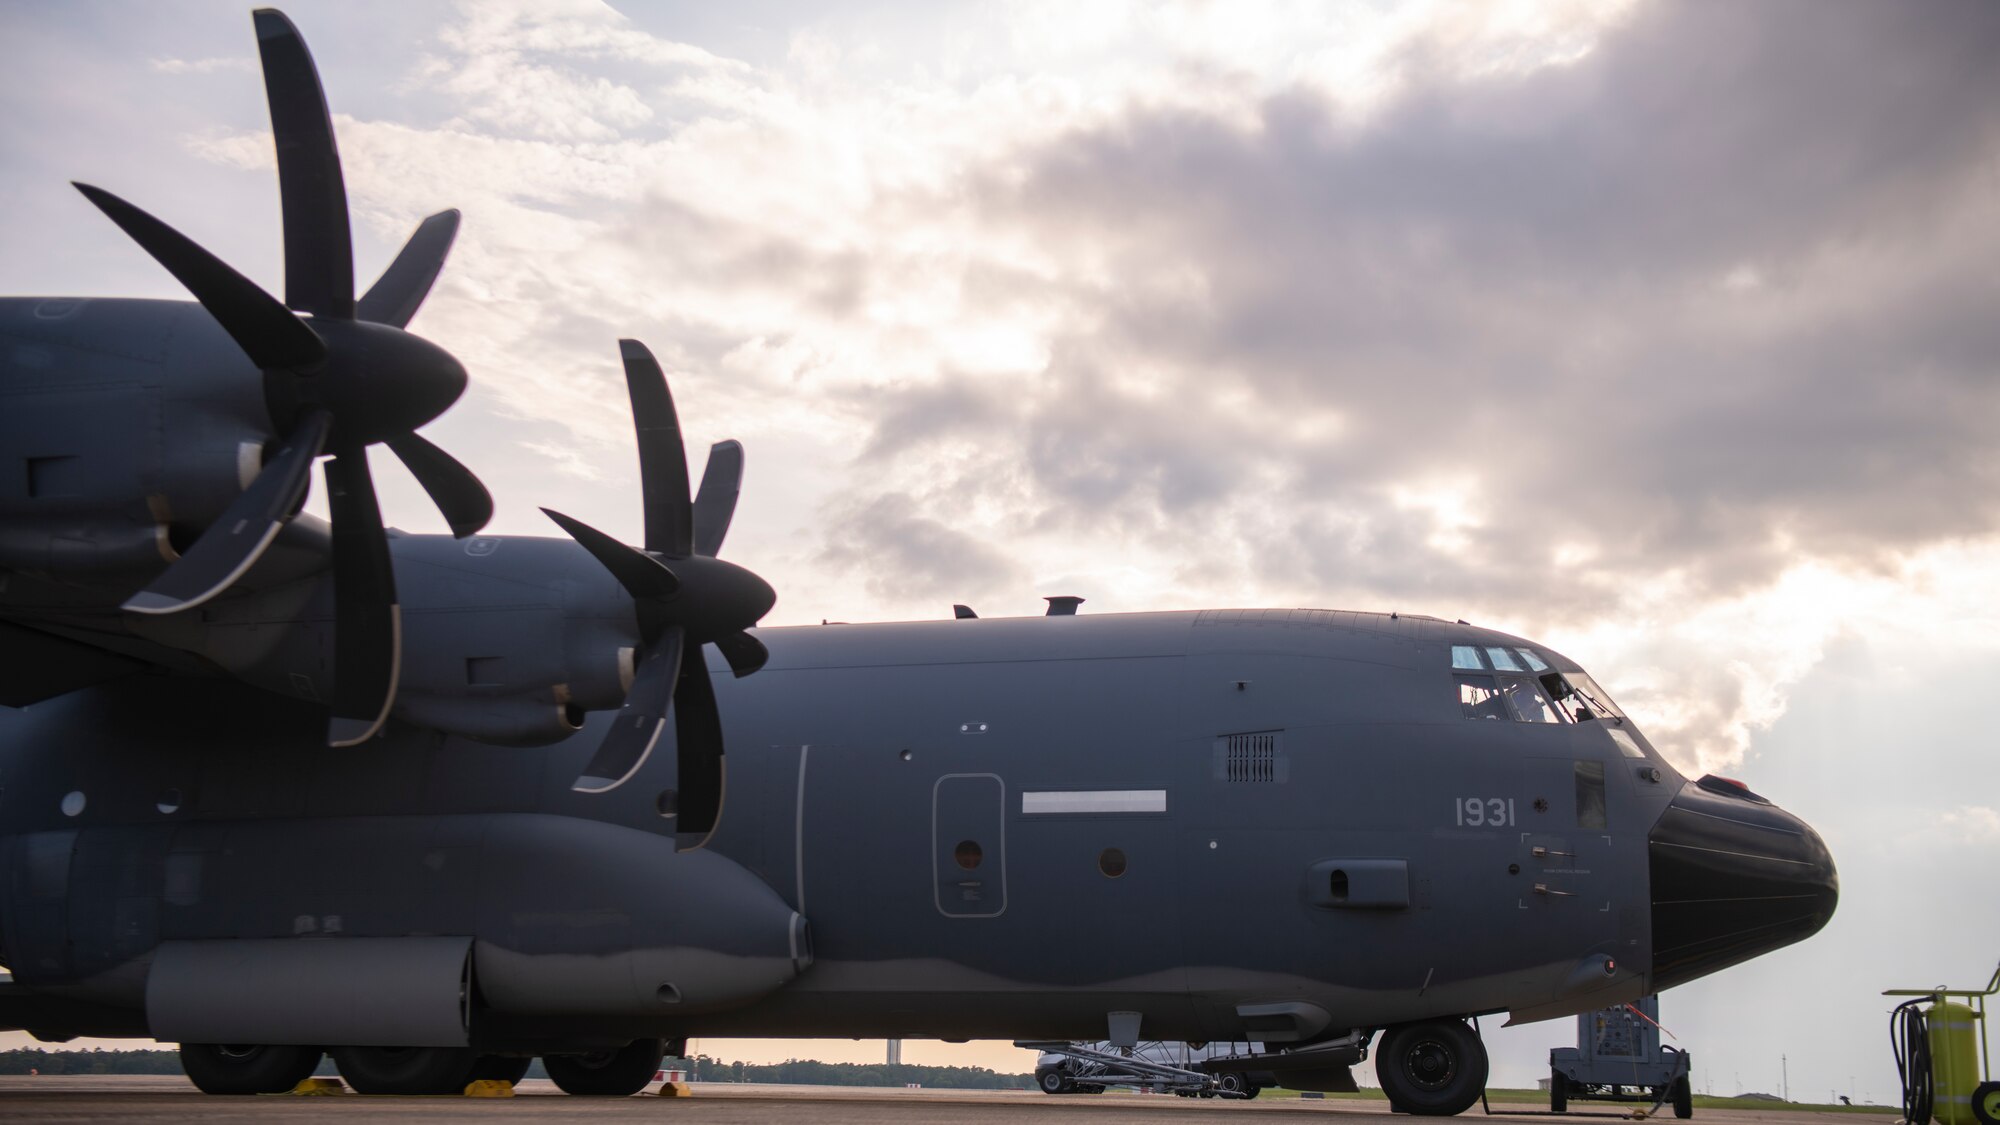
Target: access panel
x: 969, y: 845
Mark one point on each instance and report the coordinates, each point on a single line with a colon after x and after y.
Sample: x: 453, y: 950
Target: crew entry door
x: 969, y: 845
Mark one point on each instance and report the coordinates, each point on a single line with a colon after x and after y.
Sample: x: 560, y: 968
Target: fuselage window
x: 1590, y: 795
x: 1534, y: 659
x: 1503, y: 660
x: 1529, y: 703
x: 1466, y: 657
x: 1479, y: 698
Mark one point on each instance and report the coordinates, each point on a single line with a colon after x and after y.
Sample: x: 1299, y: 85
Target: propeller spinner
x: 685, y: 597
x: 345, y: 379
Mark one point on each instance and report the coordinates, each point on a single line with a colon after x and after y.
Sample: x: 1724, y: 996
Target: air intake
x: 1252, y: 757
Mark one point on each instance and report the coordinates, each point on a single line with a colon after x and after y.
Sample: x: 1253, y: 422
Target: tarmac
x: 149, y: 1098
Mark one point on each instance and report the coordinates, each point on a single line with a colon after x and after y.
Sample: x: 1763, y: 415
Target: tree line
x: 701, y: 1068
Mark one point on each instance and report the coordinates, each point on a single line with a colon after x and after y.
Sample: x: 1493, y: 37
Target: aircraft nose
x: 1733, y: 876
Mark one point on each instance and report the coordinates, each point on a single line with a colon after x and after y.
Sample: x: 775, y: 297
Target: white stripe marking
x: 1095, y: 801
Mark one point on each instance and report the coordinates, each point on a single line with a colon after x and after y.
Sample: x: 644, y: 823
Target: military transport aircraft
x: 277, y: 786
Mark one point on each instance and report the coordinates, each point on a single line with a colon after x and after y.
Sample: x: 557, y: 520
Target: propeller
x: 685, y: 597
x: 336, y: 382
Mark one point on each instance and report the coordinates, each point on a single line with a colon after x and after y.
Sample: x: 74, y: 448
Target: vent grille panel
x: 1255, y: 757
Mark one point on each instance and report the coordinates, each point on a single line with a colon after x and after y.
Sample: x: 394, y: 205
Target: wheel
x: 1432, y: 1069
x: 1683, y: 1096
x: 1252, y: 1090
x: 1558, y: 1091
x: 406, y: 1070
x: 501, y: 1068
x: 608, y: 1074
x: 228, y: 1068
x: 1986, y: 1103
x: 1051, y: 1081
x: 1233, y: 1083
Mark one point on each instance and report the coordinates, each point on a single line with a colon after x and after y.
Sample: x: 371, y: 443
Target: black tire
x: 608, y: 1074
x: 1234, y: 1083
x: 501, y: 1068
x: 1252, y: 1090
x: 1051, y: 1081
x: 1986, y: 1103
x: 1558, y: 1091
x: 1683, y: 1096
x: 227, y: 1068
x: 1432, y: 1069
x: 406, y: 1070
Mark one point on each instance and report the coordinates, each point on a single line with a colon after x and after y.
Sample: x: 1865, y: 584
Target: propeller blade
x: 663, y: 472
x: 458, y: 494
x: 237, y: 539
x: 642, y: 575
x: 396, y: 295
x: 744, y: 652
x: 319, y: 251
x: 698, y: 749
x: 367, y: 622
x: 266, y: 331
x: 721, y: 481
x: 637, y: 729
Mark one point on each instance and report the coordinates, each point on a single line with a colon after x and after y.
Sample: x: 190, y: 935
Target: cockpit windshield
x: 1580, y: 696
x: 1531, y: 689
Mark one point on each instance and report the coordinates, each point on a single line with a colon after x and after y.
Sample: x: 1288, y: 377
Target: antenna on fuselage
x: 1063, y: 605
x: 962, y: 612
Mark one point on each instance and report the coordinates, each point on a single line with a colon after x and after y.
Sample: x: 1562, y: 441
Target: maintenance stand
x: 1618, y: 1057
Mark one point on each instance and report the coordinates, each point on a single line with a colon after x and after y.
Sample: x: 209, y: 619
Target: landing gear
x: 230, y: 1068
x: 406, y: 1070
x: 1054, y: 1081
x: 608, y: 1074
x: 1558, y: 1091
x: 1432, y: 1069
x: 1235, y: 1083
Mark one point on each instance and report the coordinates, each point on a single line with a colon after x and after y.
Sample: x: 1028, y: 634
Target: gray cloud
x: 1716, y: 296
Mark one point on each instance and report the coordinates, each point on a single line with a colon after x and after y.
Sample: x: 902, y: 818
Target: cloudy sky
x: 1663, y: 333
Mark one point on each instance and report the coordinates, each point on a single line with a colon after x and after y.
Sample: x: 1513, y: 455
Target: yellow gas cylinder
x: 1954, y: 1062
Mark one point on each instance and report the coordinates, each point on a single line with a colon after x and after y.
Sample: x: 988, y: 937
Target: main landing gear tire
x: 607, y: 1074
x: 1432, y: 1069
x: 407, y: 1070
x: 1683, y: 1096
x: 229, y: 1068
x: 1558, y: 1092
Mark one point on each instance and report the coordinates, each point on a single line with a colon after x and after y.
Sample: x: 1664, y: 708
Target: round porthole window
x: 1111, y: 861
x: 968, y: 854
x: 169, y: 802
x: 668, y: 803
x: 73, y: 802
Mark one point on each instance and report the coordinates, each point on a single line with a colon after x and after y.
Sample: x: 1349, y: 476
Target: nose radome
x: 1733, y: 877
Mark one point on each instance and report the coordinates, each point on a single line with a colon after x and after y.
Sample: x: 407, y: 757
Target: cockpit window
x: 1503, y: 659
x: 1530, y: 705
x: 1579, y: 696
x: 1535, y: 662
x: 1627, y: 745
x: 1479, y: 698
x: 1595, y: 695
x: 1466, y: 657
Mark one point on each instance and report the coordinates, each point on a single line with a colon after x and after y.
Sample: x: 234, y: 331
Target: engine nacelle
x: 533, y: 720
x: 91, y: 487
x: 509, y: 641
